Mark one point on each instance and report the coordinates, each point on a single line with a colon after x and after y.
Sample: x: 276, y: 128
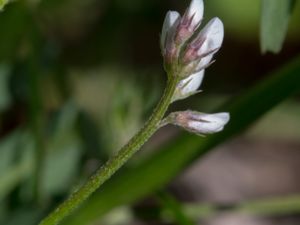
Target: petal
x: 212, y: 34
x: 194, y: 82
x: 208, y: 123
x: 170, y: 20
x: 195, y: 10
x: 204, y: 62
x: 220, y: 118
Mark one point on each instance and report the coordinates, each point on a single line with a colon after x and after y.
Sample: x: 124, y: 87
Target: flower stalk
x: 109, y: 168
x: 185, y: 57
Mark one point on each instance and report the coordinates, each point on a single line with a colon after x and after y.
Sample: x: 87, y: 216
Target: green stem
x: 274, y: 206
x: 112, y: 165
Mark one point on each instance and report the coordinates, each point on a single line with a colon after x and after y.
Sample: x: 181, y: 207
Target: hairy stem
x: 113, y: 164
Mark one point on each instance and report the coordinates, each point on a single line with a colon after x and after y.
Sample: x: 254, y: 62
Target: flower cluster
x: 187, y: 52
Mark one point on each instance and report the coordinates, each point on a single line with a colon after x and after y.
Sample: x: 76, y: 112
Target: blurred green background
x: 79, y: 78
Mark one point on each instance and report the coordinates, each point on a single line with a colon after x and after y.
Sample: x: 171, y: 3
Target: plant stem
x: 272, y: 206
x: 113, y: 164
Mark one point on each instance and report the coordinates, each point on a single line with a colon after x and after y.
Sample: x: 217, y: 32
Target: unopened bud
x: 167, y: 39
x: 206, y: 43
x: 190, y: 21
x: 169, y: 28
x: 199, y: 123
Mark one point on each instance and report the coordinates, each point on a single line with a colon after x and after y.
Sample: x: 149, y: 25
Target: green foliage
x: 130, y: 185
x: 26, y: 216
x: 63, y: 151
x: 275, y: 17
x: 5, y: 97
x: 62, y: 113
x: 173, y: 209
x: 15, y: 167
x: 14, y: 21
x: 3, y: 3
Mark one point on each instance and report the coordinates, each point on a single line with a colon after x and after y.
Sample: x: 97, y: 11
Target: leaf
x: 14, y: 23
x: 3, y: 3
x: 5, y: 97
x: 8, y: 146
x: 275, y: 17
x: 139, y: 180
x: 13, y: 173
x: 24, y: 216
x: 172, y: 208
x: 63, y: 152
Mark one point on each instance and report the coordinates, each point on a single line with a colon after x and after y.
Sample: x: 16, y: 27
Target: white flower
x: 190, y: 21
x: 199, y: 123
x: 205, y: 44
x: 188, y: 86
x: 176, y: 30
x: 169, y: 28
x: 210, y: 37
x: 180, y: 47
x: 207, y: 123
x: 195, y: 13
x: 187, y: 53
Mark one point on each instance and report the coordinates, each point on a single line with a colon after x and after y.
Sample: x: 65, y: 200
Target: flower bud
x: 205, y: 44
x: 167, y: 41
x: 188, y: 86
x: 190, y: 21
x: 199, y: 123
x: 185, y: 53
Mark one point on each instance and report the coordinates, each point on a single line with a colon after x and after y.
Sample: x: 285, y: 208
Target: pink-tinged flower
x: 190, y: 21
x: 169, y: 27
x: 168, y: 33
x: 199, y: 123
x: 185, y: 48
x: 187, y: 52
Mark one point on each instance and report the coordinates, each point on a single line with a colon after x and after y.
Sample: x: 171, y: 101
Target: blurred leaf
x: 3, y: 3
x: 172, y: 208
x: 15, y: 168
x: 61, y: 166
x: 3, y: 212
x: 123, y: 117
x: 241, y: 18
x: 90, y: 136
x: 13, y: 25
x: 63, y: 153
x: 275, y: 17
x: 5, y: 97
x: 25, y: 216
x: 7, y: 151
x: 119, y: 216
x: 141, y: 179
x: 15, y: 175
